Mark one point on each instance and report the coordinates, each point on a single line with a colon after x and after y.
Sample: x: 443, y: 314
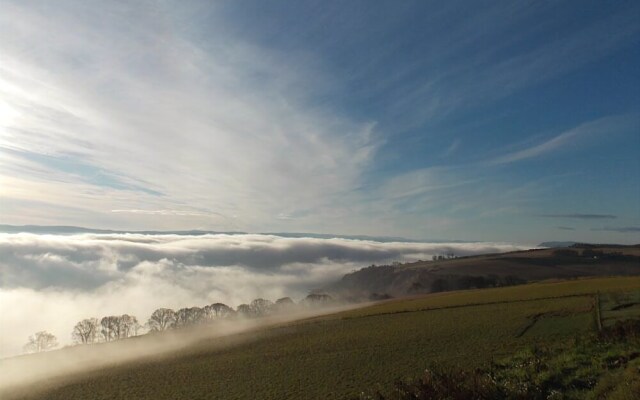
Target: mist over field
x: 25, y: 370
x: 50, y: 282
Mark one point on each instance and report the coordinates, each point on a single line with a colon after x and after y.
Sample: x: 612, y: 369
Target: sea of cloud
x: 49, y: 282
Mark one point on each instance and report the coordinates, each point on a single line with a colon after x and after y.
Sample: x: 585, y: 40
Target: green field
x: 362, y: 350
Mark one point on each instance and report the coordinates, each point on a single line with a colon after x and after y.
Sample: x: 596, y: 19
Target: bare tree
x: 318, y: 299
x: 285, y: 300
x: 109, y: 328
x: 41, y: 341
x: 245, y: 310
x: 115, y: 327
x: 162, y: 319
x: 284, y: 304
x: 217, y: 310
x: 127, y: 326
x: 85, y: 331
x: 261, y: 306
x: 189, y: 316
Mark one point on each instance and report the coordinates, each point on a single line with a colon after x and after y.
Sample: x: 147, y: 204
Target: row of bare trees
x: 116, y: 327
x: 107, y: 329
x: 164, y: 319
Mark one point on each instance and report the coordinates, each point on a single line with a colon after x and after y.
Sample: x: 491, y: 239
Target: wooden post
x: 597, y: 310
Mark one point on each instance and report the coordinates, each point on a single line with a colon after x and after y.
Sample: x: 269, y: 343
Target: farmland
x: 344, y: 354
x: 490, y: 270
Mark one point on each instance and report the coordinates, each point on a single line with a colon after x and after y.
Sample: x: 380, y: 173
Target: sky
x: 491, y: 121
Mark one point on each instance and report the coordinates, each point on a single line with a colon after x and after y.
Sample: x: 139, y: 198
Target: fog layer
x: 50, y: 282
x: 19, y: 373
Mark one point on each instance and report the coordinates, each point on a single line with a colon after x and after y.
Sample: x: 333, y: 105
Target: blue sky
x: 465, y: 120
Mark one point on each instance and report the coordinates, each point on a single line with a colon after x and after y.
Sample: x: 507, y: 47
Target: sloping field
x: 344, y: 354
x: 490, y: 270
x: 510, y: 294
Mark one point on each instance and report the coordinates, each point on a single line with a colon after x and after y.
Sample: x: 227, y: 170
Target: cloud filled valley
x: 49, y: 282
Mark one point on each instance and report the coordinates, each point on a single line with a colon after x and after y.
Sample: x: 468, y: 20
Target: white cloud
x: 506, y: 63
x: 52, y: 281
x: 452, y: 148
x: 165, y: 212
x: 574, y: 137
x: 133, y: 105
x: 172, y: 123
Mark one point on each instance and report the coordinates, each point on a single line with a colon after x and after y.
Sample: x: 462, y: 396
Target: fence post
x: 597, y: 310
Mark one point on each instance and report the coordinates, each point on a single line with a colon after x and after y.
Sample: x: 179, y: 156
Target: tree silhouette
x: 285, y: 301
x: 41, y: 341
x: 162, y: 319
x: 109, y: 328
x: 85, y: 331
x: 261, y: 307
x: 116, y: 327
x: 127, y: 326
x: 217, y: 310
x: 189, y: 316
x: 245, y: 310
x: 318, y: 299
x: 284, y: 304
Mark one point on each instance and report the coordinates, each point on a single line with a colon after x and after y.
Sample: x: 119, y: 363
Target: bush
x: 592, y: 366
x: 566, y: 253
x: 622, y: 330
x: 441, y: 384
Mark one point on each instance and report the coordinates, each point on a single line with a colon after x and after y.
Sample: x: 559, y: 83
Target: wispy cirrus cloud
x: 452, y: 148
x: 574, y: 137
x: 133, y: 110
x: 579, y: 216
x: 208, y: 117
x: 622, y: 229
x: 168, y: 212
x: 451, y: 86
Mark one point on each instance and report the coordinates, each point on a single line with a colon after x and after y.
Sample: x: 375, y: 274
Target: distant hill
x: 492, y: 270
x: 556, y: 244
x: 70, y: 230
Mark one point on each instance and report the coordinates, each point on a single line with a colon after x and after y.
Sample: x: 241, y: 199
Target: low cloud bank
x: 49, y: 282
x: 19, y: 373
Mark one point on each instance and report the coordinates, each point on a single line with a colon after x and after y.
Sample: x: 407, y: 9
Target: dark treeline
x: 116, y: 327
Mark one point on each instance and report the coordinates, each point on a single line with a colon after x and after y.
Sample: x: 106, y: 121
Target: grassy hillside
x: 491, y: 270
x: 347, y: 353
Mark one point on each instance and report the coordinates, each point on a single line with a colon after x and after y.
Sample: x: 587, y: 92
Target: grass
x: 605, y: 365
x: 367, y: 349
x: 619, y: 306
x: 505, y: 294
